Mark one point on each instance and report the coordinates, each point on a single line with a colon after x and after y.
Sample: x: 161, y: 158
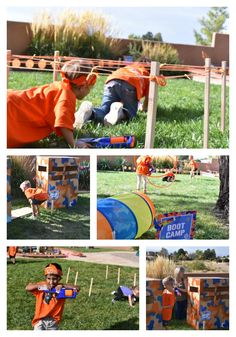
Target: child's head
x: 79, y: 77
x: 168, y: 283
x: 53, y: 273
x: 135, y: 290
x: 26, y: 184
x: 179, y: 273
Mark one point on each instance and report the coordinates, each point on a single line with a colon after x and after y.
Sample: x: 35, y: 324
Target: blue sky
x: 175, y: 23
x: 220, y: 251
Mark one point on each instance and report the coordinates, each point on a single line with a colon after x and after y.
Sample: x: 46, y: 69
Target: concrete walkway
x: 120, y: 258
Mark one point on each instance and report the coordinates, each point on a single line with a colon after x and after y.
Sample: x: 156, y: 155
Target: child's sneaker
x: 83, y: 114
x: 32, y: 217
x: 113, y: 301
x: 115, y: 115
x: 113, y: 292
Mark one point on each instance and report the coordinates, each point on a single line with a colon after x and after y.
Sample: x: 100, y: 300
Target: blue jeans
x: 117, y: 91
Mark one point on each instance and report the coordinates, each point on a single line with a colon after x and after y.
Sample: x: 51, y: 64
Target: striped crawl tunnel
x: 125, y: 216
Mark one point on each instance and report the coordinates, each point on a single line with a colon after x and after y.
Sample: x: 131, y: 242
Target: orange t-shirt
x: 34, y: 113
x: 12, y: 251
x: 133, y: 75
x: 168, y: 298
x: 36, y: 193
x: 54, y: 309
x: 193, y: 164
x: 143, y: 165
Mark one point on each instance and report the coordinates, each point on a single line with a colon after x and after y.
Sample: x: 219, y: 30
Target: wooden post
x: 206, y: 102
x: 106, y: 272
x: 118, y: 276
x: 91, y: 285
x: 223, y: 95
x: 204, y: 325
x: 8, y: 63
x: 152, y: 107
x: 52, y: 206
x: 68, y: 274
x: 76, y: 278
x: 56, y: 65
x: 134, y: 284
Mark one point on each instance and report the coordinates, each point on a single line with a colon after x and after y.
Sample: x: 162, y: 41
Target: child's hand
x: 82, y: 145
x: 59, y: 287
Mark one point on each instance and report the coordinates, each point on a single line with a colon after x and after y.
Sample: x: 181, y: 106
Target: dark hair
x: 58, y: 266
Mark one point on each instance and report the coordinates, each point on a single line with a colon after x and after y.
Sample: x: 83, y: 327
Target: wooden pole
x: 76, y: 278
x: 68, y: 274
x: 134, y: 284
x: 91, y: 285
x: 206, y: 102
x: 8, y: 63
x: 52, y: 206
x: 152, y: 107
x: 106, y: 272
x: 118, y: 276
x: 223, y: 95
x: 56, y: 65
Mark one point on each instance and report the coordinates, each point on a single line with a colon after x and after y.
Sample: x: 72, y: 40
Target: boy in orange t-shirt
x: 193, y: 167
x: 144, y: 168
x: 48, y: 309
x: 124, y: 88
x: 35, y: 113
x: 12, y: 253
x: 168, y: 300
x: 36, y: 196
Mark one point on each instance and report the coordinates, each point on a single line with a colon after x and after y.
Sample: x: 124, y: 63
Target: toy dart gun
x: 110, y: 142
x: 64, y: 293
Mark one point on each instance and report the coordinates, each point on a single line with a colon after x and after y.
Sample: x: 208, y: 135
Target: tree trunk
x: 222, y: 204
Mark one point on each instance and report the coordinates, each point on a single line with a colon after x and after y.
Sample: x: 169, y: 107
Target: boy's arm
x: 69, y: 137
x: 32, y: 286
x: 130, y: 300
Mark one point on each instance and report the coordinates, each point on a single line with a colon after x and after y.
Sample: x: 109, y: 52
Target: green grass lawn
x: 185, y: 194
x: 63, y: 223
x: 179, y: 114
x: 83, y: 313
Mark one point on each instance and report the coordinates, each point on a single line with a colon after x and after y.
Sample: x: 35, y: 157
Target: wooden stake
x: 91, y: 285
x: 223, y: 95
x: 56, y: 65
x: 152, y: 107
x: 134, y: 284
x: 206, y: 102
x: 67, y: 276
x: 8, y: 63
x: 118, y: 276
x: 52, y: 206
x: 106, y: 272
x: 76, y: 278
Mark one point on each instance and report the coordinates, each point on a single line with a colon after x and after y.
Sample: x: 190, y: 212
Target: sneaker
x: 83, y: 114
x: 32, y: 217
x: 115, y: 115
x: 113, y: 301
x: 113, y: 292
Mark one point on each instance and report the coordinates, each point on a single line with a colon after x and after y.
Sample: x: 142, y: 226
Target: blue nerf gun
x: 64, y: 293
x: 110, y: 142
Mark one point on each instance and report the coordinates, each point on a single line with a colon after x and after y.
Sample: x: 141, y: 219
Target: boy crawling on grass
x: 36, y: 197
x: 123, y: 90
x: 48, y: 309
x: 125, y: 293
x: 35, y: 113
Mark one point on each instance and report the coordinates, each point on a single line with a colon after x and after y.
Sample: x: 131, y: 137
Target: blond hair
x: 168, y: 280
x: 75, y: 68
x: 25, y: 184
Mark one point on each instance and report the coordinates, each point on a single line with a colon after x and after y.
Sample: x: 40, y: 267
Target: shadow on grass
x: 130, y: 324
x: 178, y: 114
x: 63, y: 223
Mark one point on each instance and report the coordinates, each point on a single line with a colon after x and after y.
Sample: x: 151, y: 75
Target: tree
x: 148, y: 36
x: 209, y: 254
x: 213, y: 23
x: 163, y: 252
x: 222, y: 204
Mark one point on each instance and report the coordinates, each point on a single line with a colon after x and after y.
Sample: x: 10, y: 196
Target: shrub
x: 84, y: 176
x: 83, y: 35
x: 22, y: 168
x: 160, y: 267
x: 197, y: 265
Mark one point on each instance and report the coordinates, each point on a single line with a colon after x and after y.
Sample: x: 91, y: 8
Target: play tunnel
x: 125, y: 216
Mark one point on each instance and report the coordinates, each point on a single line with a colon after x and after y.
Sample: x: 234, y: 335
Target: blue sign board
x: 176, y: 226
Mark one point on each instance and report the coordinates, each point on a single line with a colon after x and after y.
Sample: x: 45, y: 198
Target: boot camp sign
x: 176, y: 225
